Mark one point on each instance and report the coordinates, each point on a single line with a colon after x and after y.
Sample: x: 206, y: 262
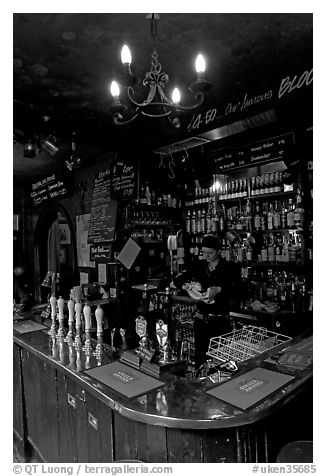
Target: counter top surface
x: 180, y: 403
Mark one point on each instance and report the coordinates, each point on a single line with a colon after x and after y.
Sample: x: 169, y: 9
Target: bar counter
x: 65, y: 415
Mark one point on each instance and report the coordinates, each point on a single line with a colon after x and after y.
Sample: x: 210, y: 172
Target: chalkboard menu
x: 269, y: 150
x: 123, y: 181
x: 103, y: 210
x: 50, y: 188
x: 101, y: 251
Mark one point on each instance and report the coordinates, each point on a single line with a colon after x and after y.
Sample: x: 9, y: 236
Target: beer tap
x: 71, y: 308
x: 78, y: 342
x: 53, y: 304
x: 123, y: 337
x: 61, y: 304
x: 88, y: 324
x: 98, y: 353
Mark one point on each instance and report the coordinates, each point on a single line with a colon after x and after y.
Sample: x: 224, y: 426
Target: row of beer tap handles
x: 75, y: 311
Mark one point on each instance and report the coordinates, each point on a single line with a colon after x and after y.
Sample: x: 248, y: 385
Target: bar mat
x: 124, y: 379
x: 28, y: 326
x: 250, y: 388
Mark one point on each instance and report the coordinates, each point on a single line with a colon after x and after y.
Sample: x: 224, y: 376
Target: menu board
x: 103, y: 210
x: 268, y: 150
x: 49, y: 188
x: 123, y: 181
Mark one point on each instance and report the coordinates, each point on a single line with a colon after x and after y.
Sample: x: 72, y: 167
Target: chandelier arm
x: 201, y: 97
x: 163, y: 114
x: 118, y: 119
x: 146, y: 102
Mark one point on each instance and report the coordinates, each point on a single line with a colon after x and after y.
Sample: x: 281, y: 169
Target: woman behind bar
x: 209, y: 282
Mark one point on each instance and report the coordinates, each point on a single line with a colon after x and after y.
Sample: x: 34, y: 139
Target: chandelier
x: 157, y: 104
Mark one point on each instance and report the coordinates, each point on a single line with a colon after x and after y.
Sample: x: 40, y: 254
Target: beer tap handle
x: 78, y: 311
x: 87, y: 316
x: 99, y: 316
x: 53, y: 304
x: 71, y: 309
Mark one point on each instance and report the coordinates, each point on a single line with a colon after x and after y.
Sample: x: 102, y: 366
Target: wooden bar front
x: 61, y: 415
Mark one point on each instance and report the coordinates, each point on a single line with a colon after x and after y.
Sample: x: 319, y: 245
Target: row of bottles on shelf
x: 266, y: 216
x: 153, y: 197
x: 286, y: 290
x: 272, y: 182
x: 257, y: 185
x: 273, y: 248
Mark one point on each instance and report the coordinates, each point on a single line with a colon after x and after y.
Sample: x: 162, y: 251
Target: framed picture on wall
x: 64, y: 234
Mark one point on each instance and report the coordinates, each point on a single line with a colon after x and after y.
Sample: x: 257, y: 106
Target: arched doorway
x: 67, y: 253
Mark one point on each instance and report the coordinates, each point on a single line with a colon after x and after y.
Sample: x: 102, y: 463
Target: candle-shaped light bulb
x: 200, y: 64
x: 125, y: 55
x: 87, y: 316
x: 176, y: 96
x: 115, y: 90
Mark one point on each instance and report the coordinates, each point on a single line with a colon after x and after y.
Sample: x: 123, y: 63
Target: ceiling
x: 64, y: 62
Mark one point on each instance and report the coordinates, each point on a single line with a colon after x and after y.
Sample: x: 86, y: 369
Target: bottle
x: 142, y: 196
x: 253, y: 186
x: 290, y: 214
x: 257, y: 217
x: 264, y: 253
x: 148, y: 195
x: 188, y: 222
x: 193, y: 222
x: 270, y: 217
x: 263, y: 217
x: 276, y: 216
x: 283, y: 216
x: 203, y: 221
x: 271, y: 252
x: 198, y: 222
x: 298, y: 212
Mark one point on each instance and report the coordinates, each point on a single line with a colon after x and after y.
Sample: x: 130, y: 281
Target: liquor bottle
x: 270, y: 217
x: 263, y: 251
x: 248, y: 251
x: 253, y: 186
x: 290, y: 214
x: 283, y: 215
x: 267, y: 184
x: 247, y: 215
x: 278, y: 249
x: 193, y: 222
x: 198, y: 222
x: 148, y: 195
x: 208, y: 225
x: 191, y: 249
x: 258, y: 187
x: 271, y: 252
x: 298, y: 212
x: 277, y: 185
x: 257, y: 217
x: 272, y: 182
x: 262, y: 185
x: 142, y: 196
x: 196, y: 248
x: 276, y: 216
x: 285, y: 250
x: 263, y: 217
x: 203, y: 221
x: 188, y: 222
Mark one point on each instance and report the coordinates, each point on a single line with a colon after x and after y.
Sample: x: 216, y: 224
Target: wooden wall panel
x: 67, y: 423
x: 184, y: 446
x: 18, y: 407
x: 220, y: 446
x: 124, y: 438
x: 99, y: 431
x: 151, y: 443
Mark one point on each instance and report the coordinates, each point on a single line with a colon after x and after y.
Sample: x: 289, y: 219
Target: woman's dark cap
x: 210, y: 241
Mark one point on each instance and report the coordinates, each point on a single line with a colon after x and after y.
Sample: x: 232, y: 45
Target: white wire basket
x: 243, y: 344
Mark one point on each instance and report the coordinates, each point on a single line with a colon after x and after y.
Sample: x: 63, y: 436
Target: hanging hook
x: 161, y: 162
x: 185, y: 157
x: 171, y: 162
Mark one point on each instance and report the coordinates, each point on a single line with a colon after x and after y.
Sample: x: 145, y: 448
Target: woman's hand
x: 213, y: 291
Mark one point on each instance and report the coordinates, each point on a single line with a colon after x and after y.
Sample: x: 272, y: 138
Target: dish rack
x: 243, y: 344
